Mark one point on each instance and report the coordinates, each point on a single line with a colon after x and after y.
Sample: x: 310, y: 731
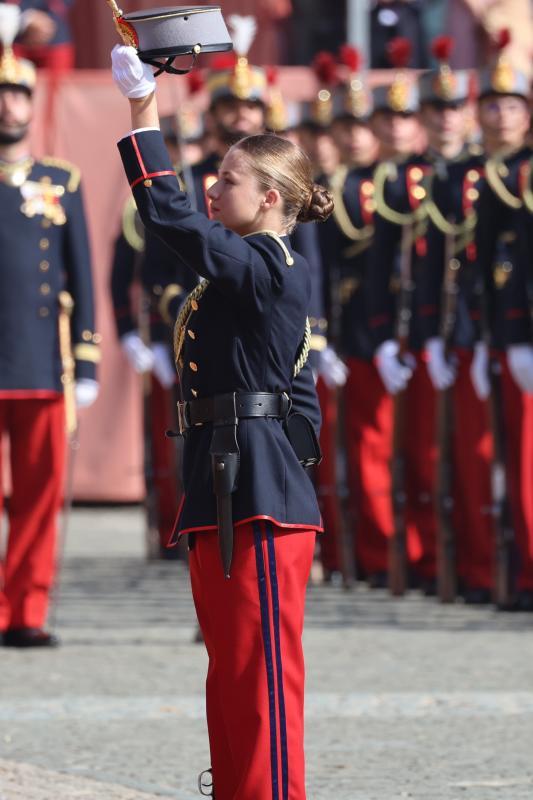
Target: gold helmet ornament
x: 355, y: 99
x: 401, y: 96
x: 236, y: 77
x: 277, y: 117
x: 14, y: 72
x: 501, y: 77
x: 319, y: 110
x: 443, y: 86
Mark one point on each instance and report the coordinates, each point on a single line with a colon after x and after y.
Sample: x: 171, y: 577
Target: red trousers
x: 472, y: 492
x: 252, y: 626
x: 368, y: 412
x: 164, y: 459
x: 369, y: 431
x: 518, y: 411
x: 36, y: 431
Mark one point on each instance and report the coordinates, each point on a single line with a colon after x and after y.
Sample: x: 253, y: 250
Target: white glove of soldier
x: 479, y: 371
x: 520, y: 362
x: 332, y: 369
x: 138, y: 354
x: 163, y: 367
x: 86, y: 391
x: 133, y: 78
x: 394, y: 373
x: 441, y: 371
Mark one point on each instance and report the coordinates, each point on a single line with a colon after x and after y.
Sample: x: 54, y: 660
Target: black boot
x: 205, y: 783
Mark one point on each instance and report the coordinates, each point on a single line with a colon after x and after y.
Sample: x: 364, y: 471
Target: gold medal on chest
x: 42, y: 198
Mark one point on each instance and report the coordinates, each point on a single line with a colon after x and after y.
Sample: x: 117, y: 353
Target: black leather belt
x: 224, y: 412
x: 228, y: 408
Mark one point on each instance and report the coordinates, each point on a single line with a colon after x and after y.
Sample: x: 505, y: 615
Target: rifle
x: 341, y: 490
x: 446, y: 573
x: 504, y: 588
x: 397, y: 546
x: 501, y: 507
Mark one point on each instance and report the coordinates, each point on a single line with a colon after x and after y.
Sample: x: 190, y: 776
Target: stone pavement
x: 405, y: 699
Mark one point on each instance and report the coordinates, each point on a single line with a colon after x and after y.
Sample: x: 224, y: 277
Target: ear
x: 272, y: 198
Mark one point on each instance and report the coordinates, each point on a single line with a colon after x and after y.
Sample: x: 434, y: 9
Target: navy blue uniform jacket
x: 43, y: 249
x: 244, y: 335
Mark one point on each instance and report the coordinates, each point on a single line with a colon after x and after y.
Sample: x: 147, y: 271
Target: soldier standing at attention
x: 247, y: 497
x: 400, y: 230
x: 504, y: 119
x: 452, y: 200
x: 346, y: 239
x: 44, y: 254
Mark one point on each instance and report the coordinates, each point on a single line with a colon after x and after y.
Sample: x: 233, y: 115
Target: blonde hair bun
x: 319, y: 206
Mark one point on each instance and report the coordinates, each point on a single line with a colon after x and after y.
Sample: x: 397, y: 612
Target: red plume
x: 272, y: 74
x: 441, y: 47
x: 502, y: 39
x: 325, y: 68
x: 350, y: 57
x: 399, y: 52
x: 195, y: 81
x: 224, y: 61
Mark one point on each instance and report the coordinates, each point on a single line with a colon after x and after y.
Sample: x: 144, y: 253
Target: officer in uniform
x: 449, y: 315
x: 504, y: 120
x: 250, y: 510
x: 44, y: 277
x: 394, y: 264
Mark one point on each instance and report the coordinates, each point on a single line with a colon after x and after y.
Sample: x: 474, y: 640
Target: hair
x: 282, y: 165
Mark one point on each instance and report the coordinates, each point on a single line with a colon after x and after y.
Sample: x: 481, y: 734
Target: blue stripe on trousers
x: 267, y: 644
x: 279, y: 664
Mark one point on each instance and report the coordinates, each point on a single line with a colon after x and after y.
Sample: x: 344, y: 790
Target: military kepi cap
x: 401, y: 96
x: 444, y: 86
x: 501, y: 78
x: 172, y: 31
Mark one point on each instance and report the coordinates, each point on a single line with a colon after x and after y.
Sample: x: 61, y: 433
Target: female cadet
x: 239, y: 338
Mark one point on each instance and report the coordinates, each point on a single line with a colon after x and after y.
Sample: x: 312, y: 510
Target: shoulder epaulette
x: 73, y: 171
x: 289, y: 260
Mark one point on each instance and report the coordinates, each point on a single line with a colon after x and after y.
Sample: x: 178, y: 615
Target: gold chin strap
x: 66, y: 306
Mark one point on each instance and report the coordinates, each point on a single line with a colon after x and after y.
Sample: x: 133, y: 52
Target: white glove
x: 394, y: 373
x: 163, y: 367
x: 86, y: 391
x: 479, y: 371
x: 138, y: 354
x: 520, y: 362
x: 332, y: 369
x: 441, y: 371
x: 133, y: 78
